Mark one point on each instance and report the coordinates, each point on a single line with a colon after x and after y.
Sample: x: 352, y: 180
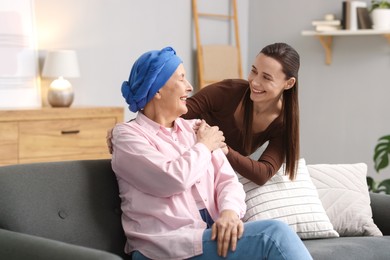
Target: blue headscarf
x: 149, y: 73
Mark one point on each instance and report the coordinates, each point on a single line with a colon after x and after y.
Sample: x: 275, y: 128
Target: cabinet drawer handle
x: 70, y: 132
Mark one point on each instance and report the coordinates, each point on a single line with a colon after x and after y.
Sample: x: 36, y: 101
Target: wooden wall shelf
x: 326, y: 38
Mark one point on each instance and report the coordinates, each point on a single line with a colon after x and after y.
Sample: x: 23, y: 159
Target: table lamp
x: 61, y: 64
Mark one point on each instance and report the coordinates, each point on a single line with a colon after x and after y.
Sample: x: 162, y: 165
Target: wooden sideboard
x: 56, y: 134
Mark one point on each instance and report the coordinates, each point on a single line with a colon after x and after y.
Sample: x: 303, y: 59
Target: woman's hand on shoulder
x: 210, y: 136
x: 201, y: 128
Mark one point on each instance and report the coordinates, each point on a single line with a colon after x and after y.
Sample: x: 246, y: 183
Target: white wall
x: 109, y: 35
x: 343, y: 106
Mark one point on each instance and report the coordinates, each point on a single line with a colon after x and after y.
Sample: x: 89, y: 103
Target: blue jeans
x: 264, y: 239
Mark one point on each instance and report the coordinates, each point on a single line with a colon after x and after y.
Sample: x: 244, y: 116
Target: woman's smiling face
x: 175, y: 93
x: 266, y: 79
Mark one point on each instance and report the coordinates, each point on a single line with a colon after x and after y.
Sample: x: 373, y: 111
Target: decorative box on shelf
x: 56, y: 134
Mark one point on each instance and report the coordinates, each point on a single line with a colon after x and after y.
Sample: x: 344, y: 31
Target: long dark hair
x: 289, y: 59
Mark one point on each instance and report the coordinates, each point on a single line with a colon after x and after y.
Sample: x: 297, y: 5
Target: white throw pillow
x: 294, y: 202
x: 343, y: 191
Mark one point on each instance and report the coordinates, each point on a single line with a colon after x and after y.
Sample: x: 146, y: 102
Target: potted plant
x: 381, y: 161
x: 380, y: 14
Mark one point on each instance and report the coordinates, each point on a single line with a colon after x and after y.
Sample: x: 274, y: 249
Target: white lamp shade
x: 61, y: 63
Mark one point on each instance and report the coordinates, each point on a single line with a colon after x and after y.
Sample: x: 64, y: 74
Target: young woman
x: 251, y: 113
x: 181, y: 199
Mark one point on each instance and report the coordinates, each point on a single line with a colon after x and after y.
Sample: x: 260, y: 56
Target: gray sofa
x: 71, y: 210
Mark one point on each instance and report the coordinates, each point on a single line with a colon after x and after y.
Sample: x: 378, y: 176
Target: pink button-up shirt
x: 162, y: 176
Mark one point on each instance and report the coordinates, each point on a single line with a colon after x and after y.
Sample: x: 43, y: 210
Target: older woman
x: 180, y: 196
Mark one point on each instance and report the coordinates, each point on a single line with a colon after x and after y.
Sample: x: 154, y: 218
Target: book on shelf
x: 326, y: 22
x: 350, y: 19
x: 364, y: 18
x: 345, y: 20
x: 353, y: 13
x: 327, y: 28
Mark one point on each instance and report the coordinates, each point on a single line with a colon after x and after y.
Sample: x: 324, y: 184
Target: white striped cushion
x: 294, y: 202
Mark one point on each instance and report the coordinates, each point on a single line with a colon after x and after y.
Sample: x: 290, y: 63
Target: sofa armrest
x: 380, y: 205
x: 14, y: 245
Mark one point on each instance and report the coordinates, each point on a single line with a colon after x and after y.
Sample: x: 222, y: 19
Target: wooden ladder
x: 217, y: 61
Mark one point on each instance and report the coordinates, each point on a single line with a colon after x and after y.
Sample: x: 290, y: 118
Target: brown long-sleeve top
x: 216, y: 104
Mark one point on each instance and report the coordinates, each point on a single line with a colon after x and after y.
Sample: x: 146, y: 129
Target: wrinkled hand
x: 212, y: 137
x: 108, y: 140
x: 227, y: 230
